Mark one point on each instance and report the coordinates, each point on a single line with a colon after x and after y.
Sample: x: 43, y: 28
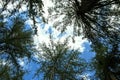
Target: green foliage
x: 15, y: 38
x: 15, y: 42
x: 98, y: 21
x: 59, y: 62
x: 33, y: 6
x: 106, y: 62
x: 85, y: 16
x: 8, y: 73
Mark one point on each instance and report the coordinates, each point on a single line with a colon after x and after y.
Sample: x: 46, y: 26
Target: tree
x: 106, y: 62
x: 15, y: 40
x: 33, y: 8
x: 59, y: 62
x: 93, y: 19
x: 84, y: 14
x: 10, y: 73
x: 15, y: 43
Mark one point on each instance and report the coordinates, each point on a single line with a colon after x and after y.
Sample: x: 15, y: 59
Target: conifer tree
x: 59, y: 62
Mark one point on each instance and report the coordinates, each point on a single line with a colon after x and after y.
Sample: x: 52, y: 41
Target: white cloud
x: 21, y: 62
x: 69, y: 32
x: 47, y: 3
x: 43, y: 37
x: 78, y: 43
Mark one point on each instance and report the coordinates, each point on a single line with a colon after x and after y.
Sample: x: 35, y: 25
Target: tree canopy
x: 15, y: 43
x: 59, y: 62
x: 93, y: 17
x: 96, y: 20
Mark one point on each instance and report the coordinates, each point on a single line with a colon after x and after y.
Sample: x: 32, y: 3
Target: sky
x: 83, y: 45
x: 43, y: 36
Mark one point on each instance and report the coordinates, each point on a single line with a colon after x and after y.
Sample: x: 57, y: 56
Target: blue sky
x: 43, y: 36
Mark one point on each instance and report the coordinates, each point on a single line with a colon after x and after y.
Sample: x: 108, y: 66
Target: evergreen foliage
x: 15, y: 43
x: 10, y: 73
x: 59, y: 62
x: 96, y: 20
x: 85, y: 17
